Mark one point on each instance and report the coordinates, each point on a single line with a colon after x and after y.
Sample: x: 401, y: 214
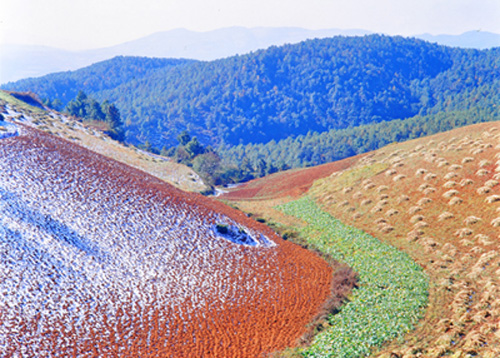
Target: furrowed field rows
x: 438, y: 200
x: 100, y: 259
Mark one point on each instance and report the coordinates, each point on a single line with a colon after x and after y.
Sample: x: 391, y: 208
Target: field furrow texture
x: 99, y: 259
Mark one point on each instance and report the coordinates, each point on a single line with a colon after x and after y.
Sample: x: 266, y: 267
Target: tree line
x: 104, y: 114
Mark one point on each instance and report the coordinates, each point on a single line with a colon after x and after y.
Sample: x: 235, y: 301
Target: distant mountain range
x: 472, y: 39
x: 23, y: 61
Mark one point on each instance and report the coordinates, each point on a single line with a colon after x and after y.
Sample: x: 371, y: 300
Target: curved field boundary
x: 392, y: 293
x: 292, y: 183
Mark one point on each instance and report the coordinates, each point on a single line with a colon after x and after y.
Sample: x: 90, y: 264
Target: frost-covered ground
x: 7, y: 129
x: 91, y: 138
x: 98, y: 259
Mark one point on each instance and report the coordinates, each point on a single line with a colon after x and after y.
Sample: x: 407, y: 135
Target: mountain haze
x: 23, y: 61
x: 471, y: 39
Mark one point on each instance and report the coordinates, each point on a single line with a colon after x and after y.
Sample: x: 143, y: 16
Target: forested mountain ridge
x: 93, y: 79
x: 287, y: 91
x: 23, y: 61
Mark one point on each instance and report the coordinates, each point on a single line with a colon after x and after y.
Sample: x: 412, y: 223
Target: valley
x: 333, y: 198
x: 290, y: 106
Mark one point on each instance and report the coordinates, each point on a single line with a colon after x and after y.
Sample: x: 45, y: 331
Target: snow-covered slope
x: 100, y: 259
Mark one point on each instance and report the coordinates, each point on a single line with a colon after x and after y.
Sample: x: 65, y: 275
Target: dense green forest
x: 294, y: 105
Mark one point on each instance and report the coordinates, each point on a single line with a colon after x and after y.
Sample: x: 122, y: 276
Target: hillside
x: 318, y: 148
x: 436, y: 199
x: 94, y: 139
x: 24, y: 61
x: 101, y: 259
x: 272, y: 94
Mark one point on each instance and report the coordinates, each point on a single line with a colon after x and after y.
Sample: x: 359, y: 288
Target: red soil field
x: 292, y: 183
x: 98, y: 259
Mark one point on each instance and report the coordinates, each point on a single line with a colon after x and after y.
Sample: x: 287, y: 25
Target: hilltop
x: 435, y: 199
x: 23, y: 61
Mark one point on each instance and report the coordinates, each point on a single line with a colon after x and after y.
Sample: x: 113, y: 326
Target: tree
x: 94, y: 110
x: 184, y: 138
x: 194, y: 147
x: 56, y: 104
x: 261, y: 167
x: 182, y: 156
x: 207, y: 165
x: 81, y: 96
x: 112, y: 115
x: 75, y: 108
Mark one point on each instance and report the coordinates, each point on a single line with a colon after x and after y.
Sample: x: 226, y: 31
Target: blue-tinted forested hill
x: 286, y: 92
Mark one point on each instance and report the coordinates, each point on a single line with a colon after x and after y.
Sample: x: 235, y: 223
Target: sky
x: 88, y: 24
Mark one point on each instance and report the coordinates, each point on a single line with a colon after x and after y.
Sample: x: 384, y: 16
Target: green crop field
x: 392, y: 293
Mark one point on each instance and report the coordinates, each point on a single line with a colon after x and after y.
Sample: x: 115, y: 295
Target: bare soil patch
x: 292, y: 183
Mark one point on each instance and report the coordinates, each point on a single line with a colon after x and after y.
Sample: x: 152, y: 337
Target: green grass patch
x: 392, y: 293
x: 8, y: 98
x: 353, y: 175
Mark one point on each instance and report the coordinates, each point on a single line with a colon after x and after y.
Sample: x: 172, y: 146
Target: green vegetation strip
x: 392, y: 293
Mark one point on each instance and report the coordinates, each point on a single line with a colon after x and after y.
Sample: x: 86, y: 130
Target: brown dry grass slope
x: 438, y: 199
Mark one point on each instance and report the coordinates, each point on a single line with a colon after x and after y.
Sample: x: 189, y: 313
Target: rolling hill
x: 283, y: 92
x: 123, y: 263
x: 435, y: 199
x: 101, y: 259
x: 100, y: 76
x: 28, y: 110
x: 24, y: 61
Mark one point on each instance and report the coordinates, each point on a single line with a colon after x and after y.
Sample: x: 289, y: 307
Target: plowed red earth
x: 292, y: 183
x: 98, y: 259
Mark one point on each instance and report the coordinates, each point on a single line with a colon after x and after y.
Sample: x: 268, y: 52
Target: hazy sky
x: 82, y: 24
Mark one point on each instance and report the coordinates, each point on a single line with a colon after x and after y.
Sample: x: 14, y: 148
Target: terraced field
x: 392, y: 292
x: 438, y: 200
x: 99, y: 259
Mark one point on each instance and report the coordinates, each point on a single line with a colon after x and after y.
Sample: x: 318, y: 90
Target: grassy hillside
x: 93, y: 139
x: 436, y: 199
